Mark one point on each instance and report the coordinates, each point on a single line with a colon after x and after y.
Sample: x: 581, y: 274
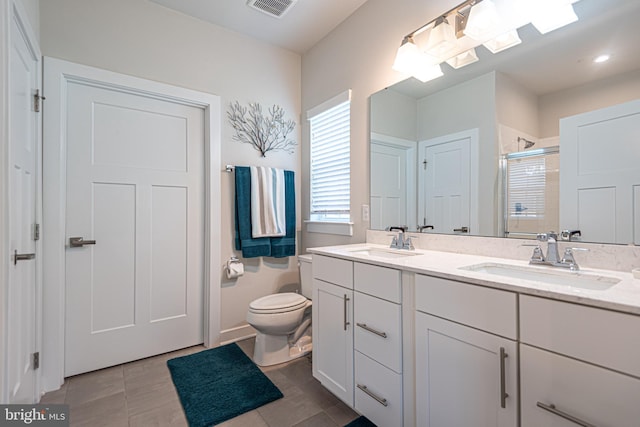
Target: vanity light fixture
x: 549, y: 15
x: 453, y: 36
x: 442, y: 39
x: 410, y: 60
x: 503, y: 41
x: 484, y: 21
x: 465, y: 58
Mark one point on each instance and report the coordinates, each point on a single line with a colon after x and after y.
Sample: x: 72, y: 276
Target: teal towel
x: 286, y: 246
x: 278, y: 247
x: 250, y: 247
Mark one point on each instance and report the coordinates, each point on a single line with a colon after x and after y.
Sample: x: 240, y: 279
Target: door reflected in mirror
x: 513, y: 102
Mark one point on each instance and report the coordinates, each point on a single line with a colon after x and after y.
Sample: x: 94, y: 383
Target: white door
x: 600, y: 174
x: 333, y: 338
x: 464, y: 377
x: 23, y: 175
x: 388, y: 186
x: 444, y: 186
x: 135, y: 189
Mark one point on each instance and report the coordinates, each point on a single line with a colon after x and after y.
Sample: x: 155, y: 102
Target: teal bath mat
x: 219, y: 384
x: 361, y: 421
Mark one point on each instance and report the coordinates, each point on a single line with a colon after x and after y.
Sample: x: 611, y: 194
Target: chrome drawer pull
x: 503, y: 386
x: 378, y: 399
x: 552, y: 408
x: 373, y: 331
x: 346, y: 301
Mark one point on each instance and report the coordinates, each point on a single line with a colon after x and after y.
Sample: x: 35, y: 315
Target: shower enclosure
x: 530, y: 192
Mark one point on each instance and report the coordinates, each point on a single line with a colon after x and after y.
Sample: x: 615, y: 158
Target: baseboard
x: 239, y: 333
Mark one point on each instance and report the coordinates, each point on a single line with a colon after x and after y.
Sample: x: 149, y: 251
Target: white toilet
x: 283, y: 322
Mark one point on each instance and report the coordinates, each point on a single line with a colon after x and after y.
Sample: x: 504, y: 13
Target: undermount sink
x: 574, y: 279
x: 383, y: 253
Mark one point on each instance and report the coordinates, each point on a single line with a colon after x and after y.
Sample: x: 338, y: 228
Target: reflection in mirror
x: 436, y: 146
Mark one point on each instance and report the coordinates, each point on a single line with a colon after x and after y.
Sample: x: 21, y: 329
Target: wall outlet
x: 365, y: 212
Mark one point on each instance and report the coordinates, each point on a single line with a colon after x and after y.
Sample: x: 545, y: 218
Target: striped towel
x: 267, y: 202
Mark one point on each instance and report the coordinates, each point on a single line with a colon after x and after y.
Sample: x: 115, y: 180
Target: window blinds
x: 526, y: 182
x: 330, y: 162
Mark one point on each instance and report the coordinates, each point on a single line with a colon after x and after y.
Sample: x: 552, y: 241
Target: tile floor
x: 141, y: 393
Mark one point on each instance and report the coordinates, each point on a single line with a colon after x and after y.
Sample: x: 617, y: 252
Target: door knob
x: 22, y: 257
x: 77, y: 242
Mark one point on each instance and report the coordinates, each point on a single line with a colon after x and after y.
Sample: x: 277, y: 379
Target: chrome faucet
x: 400, y: 242
x: 424, y: 227
x: 552, y: 257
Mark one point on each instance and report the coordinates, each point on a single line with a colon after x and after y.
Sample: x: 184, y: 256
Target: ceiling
x: 302, y: 26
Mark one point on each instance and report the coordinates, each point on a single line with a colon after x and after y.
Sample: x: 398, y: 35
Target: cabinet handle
x: 552, y: 408
x: 375, y: 397
x: 370, y: 329
x: 346, y: 300
x: 503, y: 386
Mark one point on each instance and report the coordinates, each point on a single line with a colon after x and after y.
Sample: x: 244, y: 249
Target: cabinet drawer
x: 333, y: 270
x: 375, y: 317
x: 598, y: 336
x: 492, y: 310
x: 378, y: 392
x: 589, y: 393
x: 377, y: 281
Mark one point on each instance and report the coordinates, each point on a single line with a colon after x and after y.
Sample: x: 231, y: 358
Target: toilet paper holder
x: 234, y: 268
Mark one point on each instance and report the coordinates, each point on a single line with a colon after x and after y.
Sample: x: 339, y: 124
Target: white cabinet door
x: 555, y: 388
x: 333, y: 338
x: 464, y: 377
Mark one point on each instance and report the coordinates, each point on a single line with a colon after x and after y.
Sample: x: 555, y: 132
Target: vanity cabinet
x: 378, y: 344
x: 579, y: 365
x: 357, y: 336
x: 332, y: 325
x: 466, y: 355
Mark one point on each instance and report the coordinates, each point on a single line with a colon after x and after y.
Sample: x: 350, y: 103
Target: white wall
x: 394, y: 114
x: 516, y: 106
x: 358, y: 55
x: 588, y: 97
x: 143, y: 39
x: 467, y: 106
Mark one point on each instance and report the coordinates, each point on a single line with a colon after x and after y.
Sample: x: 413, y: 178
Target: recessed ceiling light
x: 601, y: 58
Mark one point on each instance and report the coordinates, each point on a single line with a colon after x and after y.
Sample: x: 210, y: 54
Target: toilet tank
x: 305, y: 274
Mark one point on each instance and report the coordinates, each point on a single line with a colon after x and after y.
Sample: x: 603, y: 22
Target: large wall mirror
x: 536, y: 138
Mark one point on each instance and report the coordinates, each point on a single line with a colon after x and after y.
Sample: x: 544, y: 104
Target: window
x: 330, y: 170
x: 526, y: 181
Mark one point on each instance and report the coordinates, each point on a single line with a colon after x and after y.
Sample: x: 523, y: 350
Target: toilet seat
x: 278, y: 303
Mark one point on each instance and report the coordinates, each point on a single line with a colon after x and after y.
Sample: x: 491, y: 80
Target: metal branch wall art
x: 265, y: 132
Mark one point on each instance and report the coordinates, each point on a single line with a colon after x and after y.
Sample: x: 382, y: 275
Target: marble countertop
x: 624, y: 296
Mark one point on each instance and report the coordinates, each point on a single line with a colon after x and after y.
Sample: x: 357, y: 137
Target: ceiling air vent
x: 275, y: 8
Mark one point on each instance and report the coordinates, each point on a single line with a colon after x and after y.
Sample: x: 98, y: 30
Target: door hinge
x: 36, y: 232
x: 37, y: 98
x: 35, y: 360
